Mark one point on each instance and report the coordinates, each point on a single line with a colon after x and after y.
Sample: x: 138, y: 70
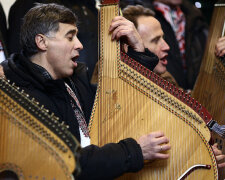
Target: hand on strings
x: 220, y: 158
x: 154, y: 146
x: 220, y: 47
x: 124, y: 30
x: 1, y: 72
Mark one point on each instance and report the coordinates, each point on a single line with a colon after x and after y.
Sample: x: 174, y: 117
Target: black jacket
x: 107, y: 162
x: 145, y: 3
x: 196, y: 31
x: 3, y: 30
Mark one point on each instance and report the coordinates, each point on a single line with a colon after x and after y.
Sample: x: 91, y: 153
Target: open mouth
x: 164, y: 60
x: 74, y: 58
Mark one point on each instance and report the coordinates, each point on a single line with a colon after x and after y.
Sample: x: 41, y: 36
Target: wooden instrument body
x: 209, y: 89
x: 27, y: 147
x: 129, y: 104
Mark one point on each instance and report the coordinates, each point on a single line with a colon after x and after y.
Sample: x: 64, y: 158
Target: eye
x: 70, y: 38
x: 156, y: 40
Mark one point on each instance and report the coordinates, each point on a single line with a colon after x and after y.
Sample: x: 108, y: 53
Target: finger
x: 120, y: 31
x: 117, y: 23
x: 220, y: 46
x: 216, y: 151
x: 131, y: 39
x: 221, y: 165
x: 162, y: 140
x: 120, y: 22
x: 220, y: 157
x: 163, y: 148
x: 222, y: 53
x: 161, y: 156
x: 166, y: 147
x: 221, y: 39
x: 215, y: 145
x: 118, y: 18
x: 156, y: 134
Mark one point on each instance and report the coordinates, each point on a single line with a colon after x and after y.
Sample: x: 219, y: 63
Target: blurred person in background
x: 186, y: 33
x: 3, y: 35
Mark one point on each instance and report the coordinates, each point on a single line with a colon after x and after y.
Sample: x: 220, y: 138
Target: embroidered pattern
x: 78, y: 111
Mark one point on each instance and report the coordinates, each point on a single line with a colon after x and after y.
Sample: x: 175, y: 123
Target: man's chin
x: 68, y: 74
x: 162, y: 71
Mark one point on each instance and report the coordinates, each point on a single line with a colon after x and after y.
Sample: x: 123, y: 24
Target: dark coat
x: 3, y: 30
x: 106, y: 162
x: 145, y: 3
x: 196, y: 31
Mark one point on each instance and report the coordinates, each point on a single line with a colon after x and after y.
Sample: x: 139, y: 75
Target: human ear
x: 41, y: 41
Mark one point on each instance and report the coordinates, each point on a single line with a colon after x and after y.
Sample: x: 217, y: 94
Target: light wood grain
x: 126, y: 107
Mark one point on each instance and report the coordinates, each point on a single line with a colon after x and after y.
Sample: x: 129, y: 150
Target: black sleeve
x: 147, y: 58
x: 111, y: 160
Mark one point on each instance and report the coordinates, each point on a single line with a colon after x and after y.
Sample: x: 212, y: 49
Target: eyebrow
x: 73, y: 31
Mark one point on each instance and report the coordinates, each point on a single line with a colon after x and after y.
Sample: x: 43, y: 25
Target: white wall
x: 6, y: 5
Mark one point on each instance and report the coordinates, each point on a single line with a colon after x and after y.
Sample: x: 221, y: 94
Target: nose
x: 165, y: 46
x: 78, y: 45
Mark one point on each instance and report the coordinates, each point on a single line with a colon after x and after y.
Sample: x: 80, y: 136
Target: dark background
x: 207, y: 8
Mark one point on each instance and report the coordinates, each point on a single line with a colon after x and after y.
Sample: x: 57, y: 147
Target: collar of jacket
x: 24, y: 68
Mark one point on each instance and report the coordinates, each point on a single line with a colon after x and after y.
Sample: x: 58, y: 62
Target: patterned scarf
x: 175, y: 17
x: 78, y: 111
